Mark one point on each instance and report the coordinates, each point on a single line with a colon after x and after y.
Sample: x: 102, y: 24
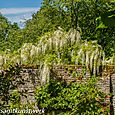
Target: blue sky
x: 19, y: 10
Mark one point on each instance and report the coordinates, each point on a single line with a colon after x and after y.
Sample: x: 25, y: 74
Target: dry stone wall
x: 31, y: 80
x: 106, y: 80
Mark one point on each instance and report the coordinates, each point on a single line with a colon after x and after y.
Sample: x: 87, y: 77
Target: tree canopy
x: 94, y: 19
x: 79, y: 14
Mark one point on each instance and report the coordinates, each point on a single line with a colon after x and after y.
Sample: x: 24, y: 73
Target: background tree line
x: 95, y: 19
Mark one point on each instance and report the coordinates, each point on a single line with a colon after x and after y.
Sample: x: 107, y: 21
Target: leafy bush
x: 8, y: 82
x: 15, y: 99
x: 73, y: 98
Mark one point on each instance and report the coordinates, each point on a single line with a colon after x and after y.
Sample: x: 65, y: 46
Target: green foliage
x: 15, y: 103
x: 10, y: 35
x: 73, y: 98
x: 15, y: 99
x: 78, y: 14
x: 108, y: 18
x: 39, y: 43
x: 7, y: 84
x: 59, y: 47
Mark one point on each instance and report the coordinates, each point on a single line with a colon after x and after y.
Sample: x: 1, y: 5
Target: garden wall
x: 31, y: 80
x: 67, y: 73
x: 106, y: 82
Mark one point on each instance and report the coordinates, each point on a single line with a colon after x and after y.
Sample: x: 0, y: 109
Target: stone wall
x: 31, y: 81
x: 106, y: 81
x: 67, y: 73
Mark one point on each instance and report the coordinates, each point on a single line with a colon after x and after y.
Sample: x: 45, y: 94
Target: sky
x: 19, y: 10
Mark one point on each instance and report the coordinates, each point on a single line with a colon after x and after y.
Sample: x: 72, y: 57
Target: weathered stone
x: 31, y: 81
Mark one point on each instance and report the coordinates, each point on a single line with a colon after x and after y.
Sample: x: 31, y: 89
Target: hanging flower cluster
x: 59, y: 48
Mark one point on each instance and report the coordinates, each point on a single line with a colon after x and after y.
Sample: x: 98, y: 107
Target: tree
x: 10, y: 35
x: 4, y: 26
x: 78, y: 14
x: 14, y: 38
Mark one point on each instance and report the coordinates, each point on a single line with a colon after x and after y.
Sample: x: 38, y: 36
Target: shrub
x: 73, y: 98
